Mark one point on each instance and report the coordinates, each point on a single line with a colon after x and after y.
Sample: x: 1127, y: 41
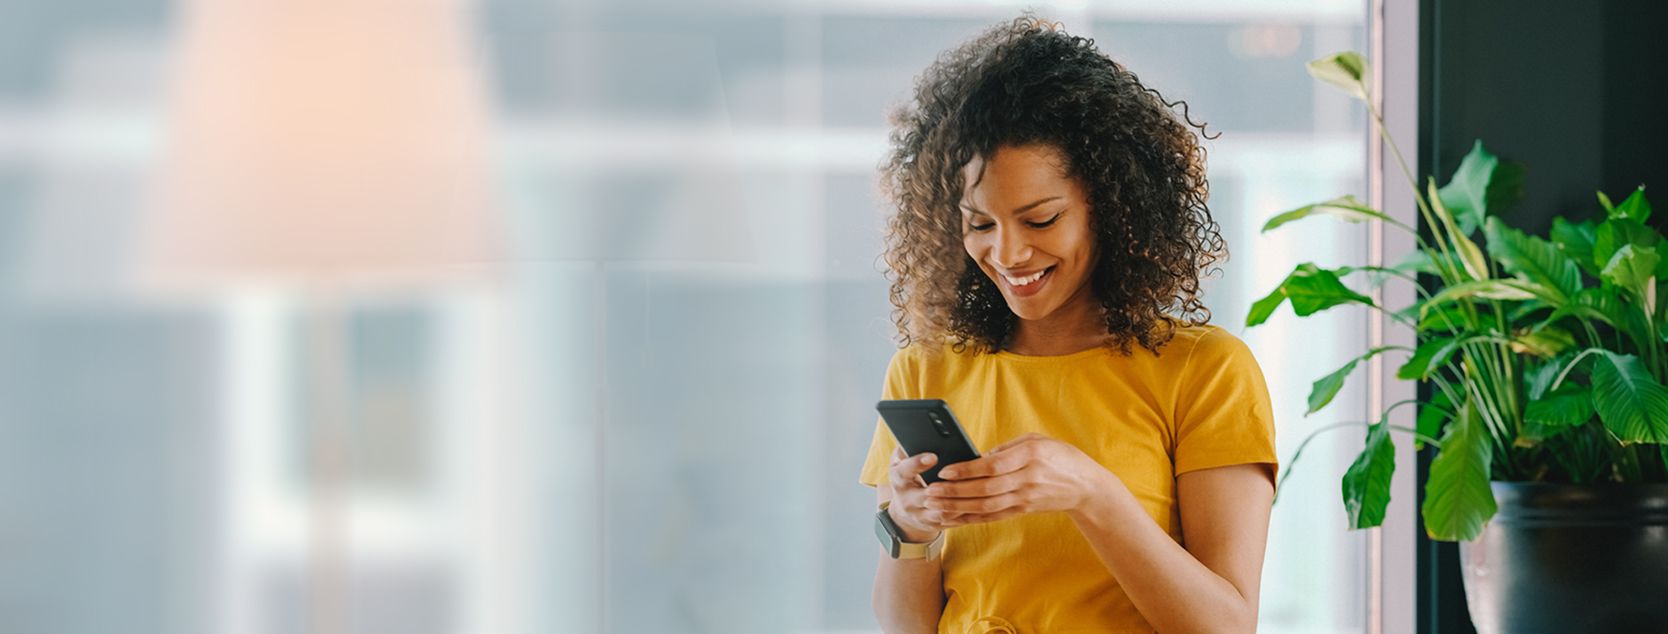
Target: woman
x: 1050, y: 233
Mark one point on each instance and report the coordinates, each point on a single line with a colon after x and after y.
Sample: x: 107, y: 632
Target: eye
x: 981, y: 228
x: 1045, y: 223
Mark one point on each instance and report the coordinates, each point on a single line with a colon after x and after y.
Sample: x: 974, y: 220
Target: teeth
x: 1022, y: 281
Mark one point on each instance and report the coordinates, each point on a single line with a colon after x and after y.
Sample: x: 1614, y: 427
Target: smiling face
x: 1026, y: 223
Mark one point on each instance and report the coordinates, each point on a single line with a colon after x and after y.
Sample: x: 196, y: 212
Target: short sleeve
x: 1223, y: 414
x: 899, y: 382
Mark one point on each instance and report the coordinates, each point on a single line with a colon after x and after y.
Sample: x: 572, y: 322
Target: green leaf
x: 1429, y: 358
x: 1566, y: 406
x: 1467, y: 251
x: 1538, y: 378
x: 1432, y: 415
x: 1366, y: 485
x: 1347, y: 208
x: 1575, y: 239
x: 1596, y: 303
x: 1417, y: 261
x: 1533, y: 259
x: 1457, y: 497
x: 1510, y: 290
x: 1635, y: 208
x: 1345, y: 70
x: 1445, y: 317
x: 1606, y: 304
x: 1311, y: 289
x: 1604, y: 201
x: 1506, y: 188
x: 1632, y: 404
x: 1322, y: 392
x: 1546, y: 341
x: 1611, y: 235
x: 1481, y: 183
x: 1631, y: 267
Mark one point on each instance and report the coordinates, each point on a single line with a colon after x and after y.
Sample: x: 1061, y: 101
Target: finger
x: 909, y: 471
x: 898, y: 455
x: 907, y: 508
x: 981, y: 518
x: 1022, y: 438
x: 977, y: 487
x: 994, y: 464
x: 979, y: 506
x: 933, y: 518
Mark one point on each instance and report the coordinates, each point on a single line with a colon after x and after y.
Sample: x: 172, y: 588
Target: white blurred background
x: 502, y: 316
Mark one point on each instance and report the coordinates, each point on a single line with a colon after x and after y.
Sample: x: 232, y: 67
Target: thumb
x: 919, y: 463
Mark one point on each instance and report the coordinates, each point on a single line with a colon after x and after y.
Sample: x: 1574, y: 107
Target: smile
x: 1029, y: 283
x: 1021, y: 281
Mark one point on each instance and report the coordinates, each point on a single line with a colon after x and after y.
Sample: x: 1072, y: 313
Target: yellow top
x: 1200, y: 403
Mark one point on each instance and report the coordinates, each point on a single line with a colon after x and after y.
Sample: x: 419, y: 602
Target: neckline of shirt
x: 1046, y: 358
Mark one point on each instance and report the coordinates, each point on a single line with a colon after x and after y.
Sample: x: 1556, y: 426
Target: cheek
x: 1083, y: 245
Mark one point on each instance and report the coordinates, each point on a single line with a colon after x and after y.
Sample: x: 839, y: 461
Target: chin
x: 1030, y: 311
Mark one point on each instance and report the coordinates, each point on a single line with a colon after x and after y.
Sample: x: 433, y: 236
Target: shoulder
x: 1207, y: 347
x: 925, y: 364
x: 910, y: 359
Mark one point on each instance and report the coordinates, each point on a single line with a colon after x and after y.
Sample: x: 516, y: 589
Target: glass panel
x: 642, y: 412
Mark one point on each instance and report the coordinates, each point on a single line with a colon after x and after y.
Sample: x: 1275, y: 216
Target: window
x: 651, y: 418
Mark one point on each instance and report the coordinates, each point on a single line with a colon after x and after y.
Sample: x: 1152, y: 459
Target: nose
x: 1011, y: 249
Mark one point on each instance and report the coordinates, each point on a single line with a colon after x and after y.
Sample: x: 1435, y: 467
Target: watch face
x: 887, y: 532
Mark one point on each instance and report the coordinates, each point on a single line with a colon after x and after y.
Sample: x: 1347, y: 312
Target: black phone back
x: 926, y: 425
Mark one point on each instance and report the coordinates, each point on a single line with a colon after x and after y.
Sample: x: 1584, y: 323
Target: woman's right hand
x: 909, y: 493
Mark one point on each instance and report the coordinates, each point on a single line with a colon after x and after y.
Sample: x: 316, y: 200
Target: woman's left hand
x: 1030, y: 474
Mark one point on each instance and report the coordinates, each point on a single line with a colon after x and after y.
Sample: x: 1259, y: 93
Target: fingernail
x: 928, y: 459
x: 947, y: 473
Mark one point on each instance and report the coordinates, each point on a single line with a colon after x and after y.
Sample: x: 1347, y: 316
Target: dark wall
x: 1635, y: 102
x: 1577, y: 92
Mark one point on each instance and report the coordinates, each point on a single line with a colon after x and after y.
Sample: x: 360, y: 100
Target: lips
x: 1029, y: 283
x: 1021, y: 280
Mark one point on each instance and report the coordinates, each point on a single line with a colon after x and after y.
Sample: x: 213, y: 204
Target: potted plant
x: 1545, y: 359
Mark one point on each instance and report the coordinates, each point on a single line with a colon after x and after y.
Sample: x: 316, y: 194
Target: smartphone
x: 926, y: 425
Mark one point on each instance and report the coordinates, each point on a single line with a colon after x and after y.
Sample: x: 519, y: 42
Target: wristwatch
x: 892, y: 539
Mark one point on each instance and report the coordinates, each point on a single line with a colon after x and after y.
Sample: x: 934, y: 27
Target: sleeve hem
x: 1225, y: 461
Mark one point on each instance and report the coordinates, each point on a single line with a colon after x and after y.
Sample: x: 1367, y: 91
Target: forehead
x: 1011, y: 173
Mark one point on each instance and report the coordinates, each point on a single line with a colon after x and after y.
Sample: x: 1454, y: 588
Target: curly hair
x: 1027, y: 82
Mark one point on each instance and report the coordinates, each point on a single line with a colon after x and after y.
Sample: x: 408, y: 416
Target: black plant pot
x: 1570, y: 558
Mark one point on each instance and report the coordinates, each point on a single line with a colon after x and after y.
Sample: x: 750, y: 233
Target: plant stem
x: 1416, y: 435
x: 1571, y: 366
x: 1280, y: 485
x: 1488, y: 409
x: 1390, y: 141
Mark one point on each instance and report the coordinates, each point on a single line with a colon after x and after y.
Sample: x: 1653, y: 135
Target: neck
x: 1076, y: 326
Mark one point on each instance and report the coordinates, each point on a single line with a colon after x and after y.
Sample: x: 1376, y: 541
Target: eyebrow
x: 1023, y: 209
